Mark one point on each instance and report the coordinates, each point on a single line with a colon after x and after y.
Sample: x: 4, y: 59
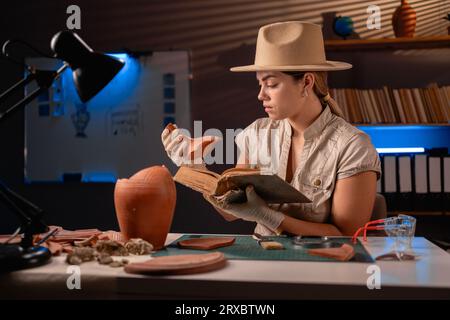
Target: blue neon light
x: 401, y: 150
x: 409, y: 136
x: 99, y: 177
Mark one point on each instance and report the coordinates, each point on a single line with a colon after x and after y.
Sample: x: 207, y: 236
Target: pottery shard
x: 181, y: 264
x: 170, y: 127
x: 343, y: 253
x: 206, y: 243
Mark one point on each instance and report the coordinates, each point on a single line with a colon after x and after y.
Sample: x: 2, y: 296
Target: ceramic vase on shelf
x: 145, y: 205
x: 404, y: 20
x: 448, y: 19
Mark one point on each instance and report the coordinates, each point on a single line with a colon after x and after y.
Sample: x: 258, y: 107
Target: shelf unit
x: 366, y: 45
x: 398, y: 135
x: 388, y: 43
x: 418, y: 213
x: 401, y: 124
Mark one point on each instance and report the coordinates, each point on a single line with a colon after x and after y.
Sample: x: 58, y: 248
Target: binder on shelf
x: 446, y: 178
x: 390, y: 182
x: 420, y: 182
x: 435, y: 183
x: 405, y: 196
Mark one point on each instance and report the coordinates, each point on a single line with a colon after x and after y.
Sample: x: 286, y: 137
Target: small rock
x: 116, y: 264
x: 75, y: 260
x: 138, y: 246
x: 110, y: 247
x: 104, y: 258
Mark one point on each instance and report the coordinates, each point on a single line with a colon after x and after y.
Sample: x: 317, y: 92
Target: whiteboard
x: 115, y: 134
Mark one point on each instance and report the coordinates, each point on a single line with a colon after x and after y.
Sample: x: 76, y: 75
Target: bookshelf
x: 393, y: 97
x: 384, y: 104
x: 405, y: 106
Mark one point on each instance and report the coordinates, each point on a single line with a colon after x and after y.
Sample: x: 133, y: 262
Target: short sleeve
x: 358, y: 155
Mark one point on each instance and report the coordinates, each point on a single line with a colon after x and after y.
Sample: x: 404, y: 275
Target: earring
x: 306, y: 93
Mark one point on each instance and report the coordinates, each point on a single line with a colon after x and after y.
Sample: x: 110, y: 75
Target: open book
x: 229, y: 187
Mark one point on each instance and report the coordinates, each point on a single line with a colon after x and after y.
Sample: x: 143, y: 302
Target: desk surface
x: 427, y: 277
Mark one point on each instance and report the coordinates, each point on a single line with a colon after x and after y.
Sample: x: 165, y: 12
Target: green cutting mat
x: 247, y: 248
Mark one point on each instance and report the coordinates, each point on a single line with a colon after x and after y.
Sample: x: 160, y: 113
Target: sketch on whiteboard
x: 80, y: 120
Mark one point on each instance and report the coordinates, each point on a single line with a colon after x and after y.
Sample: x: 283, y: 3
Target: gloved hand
x: 255, y: 209
x: 183, y: 150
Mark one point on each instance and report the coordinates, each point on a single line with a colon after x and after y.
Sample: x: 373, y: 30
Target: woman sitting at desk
x: 310, y: 144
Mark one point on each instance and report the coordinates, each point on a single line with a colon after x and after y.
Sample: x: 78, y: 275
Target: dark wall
x: 219, y: 34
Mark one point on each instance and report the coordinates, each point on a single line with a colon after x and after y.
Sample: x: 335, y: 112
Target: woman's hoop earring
x: 306, y: 93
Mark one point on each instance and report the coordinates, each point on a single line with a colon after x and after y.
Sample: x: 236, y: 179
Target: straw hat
x: 291, y: 46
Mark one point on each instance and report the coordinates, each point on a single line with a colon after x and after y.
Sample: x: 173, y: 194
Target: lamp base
x: 14, y: 257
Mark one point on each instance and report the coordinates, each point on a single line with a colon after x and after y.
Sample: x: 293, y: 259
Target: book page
x: 197, y: 179
x: 206, y: 171
x: 239, y: 171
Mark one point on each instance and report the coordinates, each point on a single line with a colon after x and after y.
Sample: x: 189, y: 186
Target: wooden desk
x: 428, y: 277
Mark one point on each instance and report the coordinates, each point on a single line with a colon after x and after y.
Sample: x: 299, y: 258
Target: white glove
x: 255, y: 209
x: 183, y: 150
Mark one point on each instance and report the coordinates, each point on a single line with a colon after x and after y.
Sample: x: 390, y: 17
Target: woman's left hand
x: 255, y: 209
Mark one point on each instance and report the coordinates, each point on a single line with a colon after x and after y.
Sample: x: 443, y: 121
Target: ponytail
x: 320, y: 89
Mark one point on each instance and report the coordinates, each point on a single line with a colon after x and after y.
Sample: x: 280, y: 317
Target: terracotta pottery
x: 342, y: 253
x: 206, y: 243
x: 404, y: 20
x: 145, y: 205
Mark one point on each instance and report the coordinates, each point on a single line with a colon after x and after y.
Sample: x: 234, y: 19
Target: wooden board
x: 181, y: 264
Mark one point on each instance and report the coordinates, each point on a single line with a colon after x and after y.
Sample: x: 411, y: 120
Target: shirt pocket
x: 318, y: 188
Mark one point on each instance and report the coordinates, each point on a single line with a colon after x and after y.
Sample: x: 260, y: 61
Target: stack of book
x: 388, y: 105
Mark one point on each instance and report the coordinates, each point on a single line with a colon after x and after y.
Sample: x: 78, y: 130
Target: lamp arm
x: 29, y: 214
x: 22, y: 83
x: 44, y: 79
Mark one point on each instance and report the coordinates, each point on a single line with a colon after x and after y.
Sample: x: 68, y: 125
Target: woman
x: 309, y: 143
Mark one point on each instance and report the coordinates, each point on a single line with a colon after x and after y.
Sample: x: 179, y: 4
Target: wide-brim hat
x: 291, y: 46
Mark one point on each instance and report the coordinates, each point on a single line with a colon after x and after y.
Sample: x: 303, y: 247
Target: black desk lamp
x: 92, y: 71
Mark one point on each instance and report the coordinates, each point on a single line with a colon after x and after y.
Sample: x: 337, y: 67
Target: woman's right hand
x: 183, y: 150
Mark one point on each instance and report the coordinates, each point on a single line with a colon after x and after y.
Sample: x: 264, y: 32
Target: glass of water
x: 401, y: 229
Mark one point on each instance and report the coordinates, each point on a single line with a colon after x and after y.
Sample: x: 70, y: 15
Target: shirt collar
x: 316, y: 127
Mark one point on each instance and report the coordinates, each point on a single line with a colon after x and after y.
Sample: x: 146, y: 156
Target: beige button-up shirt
x: 333, y: 150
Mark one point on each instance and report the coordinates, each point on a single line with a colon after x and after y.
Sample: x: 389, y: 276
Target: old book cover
x: 229, y: 186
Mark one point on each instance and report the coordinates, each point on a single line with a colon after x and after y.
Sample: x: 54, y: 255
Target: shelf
x: 401, y: 124
x: 388, y: 43
x: 419, y: 213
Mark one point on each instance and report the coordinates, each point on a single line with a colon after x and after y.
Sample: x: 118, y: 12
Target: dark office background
x: 219, y: 34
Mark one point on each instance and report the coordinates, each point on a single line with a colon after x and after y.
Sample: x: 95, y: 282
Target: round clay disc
x: 181, y: 264
x: 206, y: 243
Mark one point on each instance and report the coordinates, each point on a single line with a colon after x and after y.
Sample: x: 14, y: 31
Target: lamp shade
x: 92, y: 71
